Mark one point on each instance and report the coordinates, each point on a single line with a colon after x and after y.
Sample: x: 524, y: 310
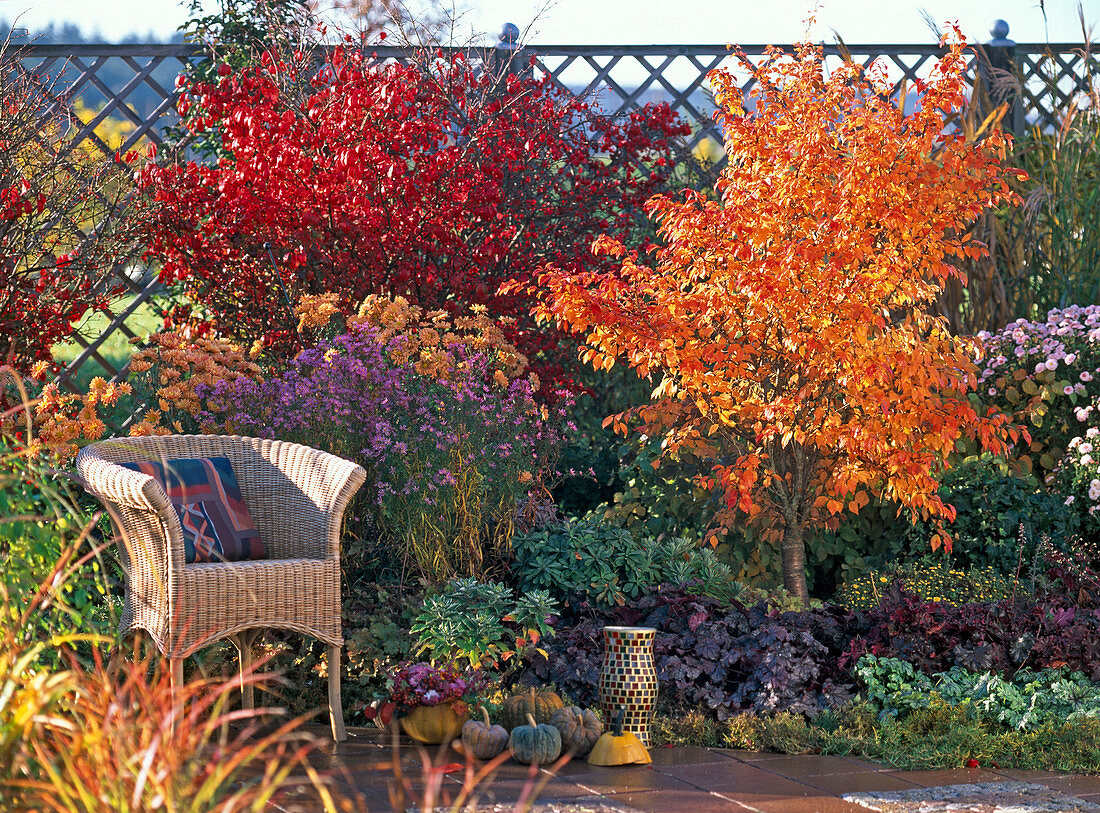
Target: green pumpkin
x: 482, y: 739
x: 534, y: 743
x: 539, y: 705
x: 579, y: 729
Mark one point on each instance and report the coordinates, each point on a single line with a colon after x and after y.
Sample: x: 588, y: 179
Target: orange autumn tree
x: 789, y: 321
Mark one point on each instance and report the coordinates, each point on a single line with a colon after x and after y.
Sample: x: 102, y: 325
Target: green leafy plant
x: 593, y: 560
x: 482, y: 624
x: 940, y: 735
x: 40, y: 517
x: 893, y: 685
x: 1022, y: 701
x: 651, y: 500
x: 42, y: 523
x: 992, y: 503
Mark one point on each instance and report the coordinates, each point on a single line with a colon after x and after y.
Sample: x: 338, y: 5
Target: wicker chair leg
x: 175, y: 666
x: 335, y: 707
x: 243, y: 641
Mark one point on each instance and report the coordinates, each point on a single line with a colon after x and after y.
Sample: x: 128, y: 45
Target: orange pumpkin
x: 619, y: 748
x: 539, y: 705
x: 433, y: 724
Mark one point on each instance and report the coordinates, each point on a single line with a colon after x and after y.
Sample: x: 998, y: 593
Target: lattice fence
x: 134, y: 84
x: 137, y: 83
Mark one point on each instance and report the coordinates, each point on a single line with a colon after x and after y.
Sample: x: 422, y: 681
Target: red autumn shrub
x: 435, y: 180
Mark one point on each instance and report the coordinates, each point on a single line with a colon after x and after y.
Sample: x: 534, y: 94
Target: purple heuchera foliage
x: 731, y: 658
x: 727, y: 658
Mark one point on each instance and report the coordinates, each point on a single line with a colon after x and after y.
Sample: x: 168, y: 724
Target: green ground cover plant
x: 938, y: 736
x: 591, y: 560
x: 1021, y: 701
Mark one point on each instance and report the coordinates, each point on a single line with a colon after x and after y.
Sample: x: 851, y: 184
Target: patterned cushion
x: 216, y: 524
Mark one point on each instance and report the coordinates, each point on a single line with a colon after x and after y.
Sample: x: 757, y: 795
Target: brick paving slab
x: 689, y: 755
x: 695, y: 780
x: 811, y: 804
x: 1028, y: 775
x: 948, y: 776
x: 612, y: 781
x: 679, y: 801
x: 1076, y: 785
x: 743, y: 780
x: 800, y: 766
x: 554, y: 790
x: 594, y: 805
x: 839, y: 784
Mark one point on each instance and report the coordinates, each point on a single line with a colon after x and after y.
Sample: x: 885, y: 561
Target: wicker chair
x: 297, y: 497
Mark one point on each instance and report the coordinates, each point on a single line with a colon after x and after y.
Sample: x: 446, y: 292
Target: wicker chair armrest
x: 142, y: 506
x: 120, y: 485
x: 347, y: 484
x: 328, y: 484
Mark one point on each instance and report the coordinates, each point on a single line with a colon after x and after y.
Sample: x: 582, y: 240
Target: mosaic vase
x: 628, y: 678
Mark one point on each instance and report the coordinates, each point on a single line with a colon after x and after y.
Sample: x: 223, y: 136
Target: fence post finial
x: 505, y: 50
x: 509, y: 38
x: 1001, y: 54
x: 999, y: 32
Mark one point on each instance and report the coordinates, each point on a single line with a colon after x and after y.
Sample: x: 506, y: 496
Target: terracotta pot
x: 433, y: 724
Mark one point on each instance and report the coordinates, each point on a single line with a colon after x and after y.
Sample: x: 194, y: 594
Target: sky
x: 644, y: 22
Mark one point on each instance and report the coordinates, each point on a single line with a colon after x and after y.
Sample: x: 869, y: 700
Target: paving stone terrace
x: 700, y: 780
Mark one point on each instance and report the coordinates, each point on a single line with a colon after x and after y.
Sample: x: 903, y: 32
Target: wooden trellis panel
x: 134, y: 83
x: 1055, y: 79
x: 141, y: 90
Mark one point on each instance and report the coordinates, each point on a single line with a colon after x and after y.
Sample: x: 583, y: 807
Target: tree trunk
x: 794, y: 561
